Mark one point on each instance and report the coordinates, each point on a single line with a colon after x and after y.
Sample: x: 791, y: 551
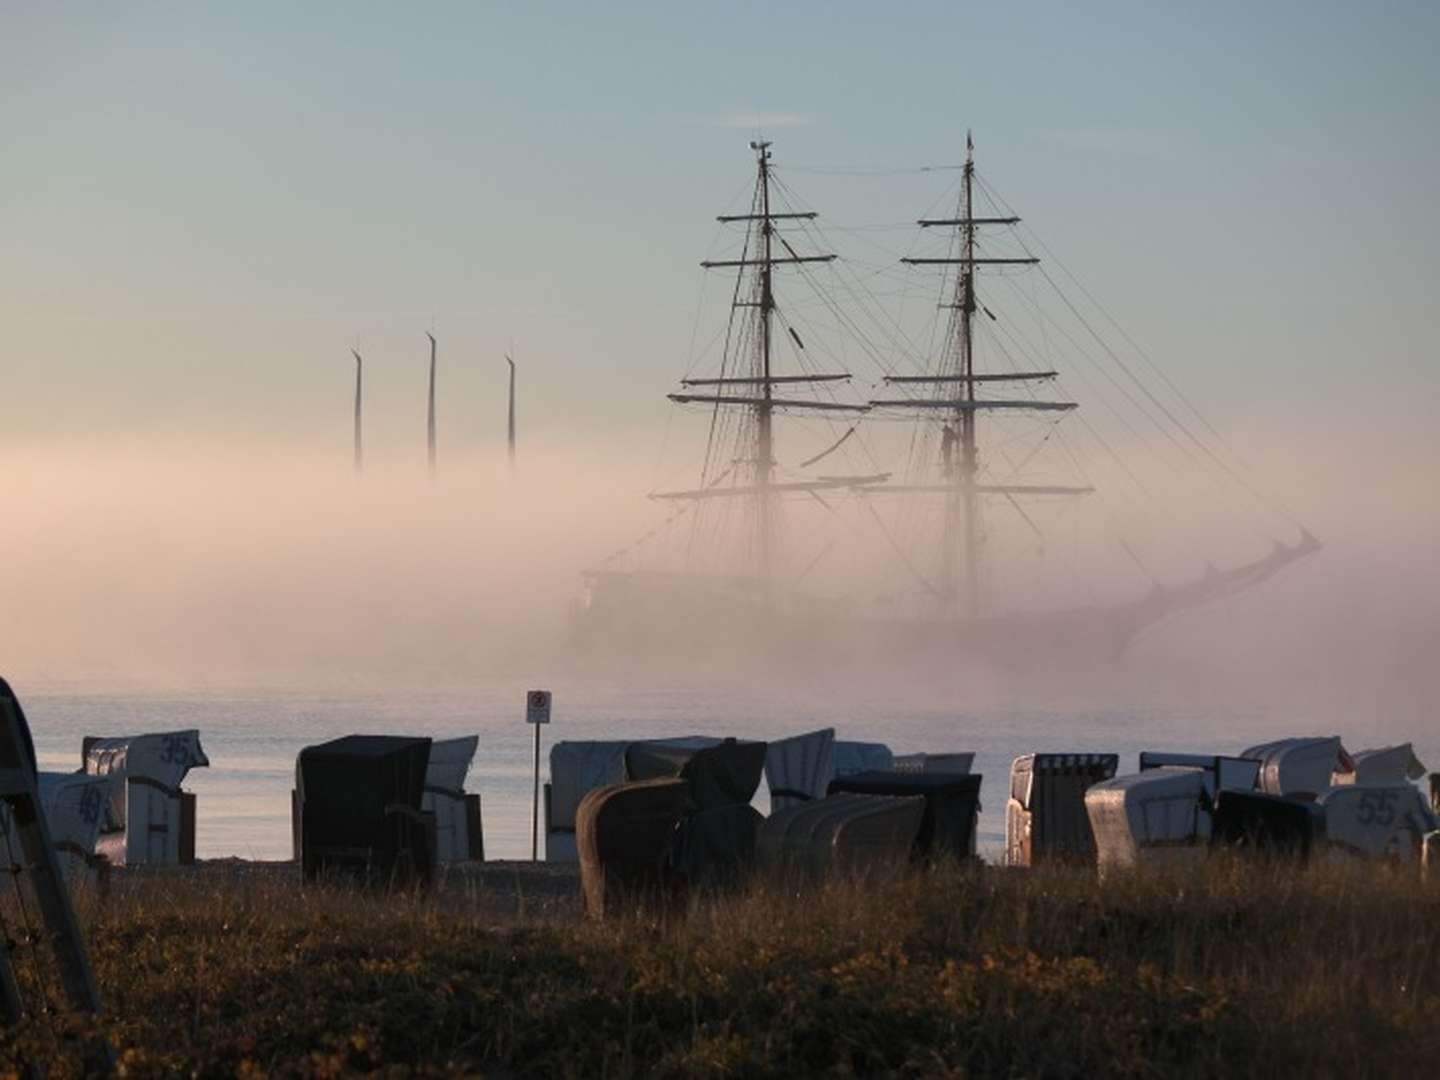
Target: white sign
x: 537, y: 707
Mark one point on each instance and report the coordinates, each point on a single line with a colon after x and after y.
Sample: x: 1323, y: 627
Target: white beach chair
x: 458, y: 835
x: 1377, y: 821
x: 148, y: 817
x: 1158, y: 815
x: 73, y: 804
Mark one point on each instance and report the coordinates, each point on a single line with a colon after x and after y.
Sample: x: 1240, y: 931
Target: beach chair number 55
x: 1377, y: 808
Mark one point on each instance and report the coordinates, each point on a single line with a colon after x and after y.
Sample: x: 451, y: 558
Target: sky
x: 205, y: 207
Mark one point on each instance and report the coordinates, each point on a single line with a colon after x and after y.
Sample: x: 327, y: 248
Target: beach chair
x: 624, y: 835
x: 1045, y: 818
x: 1389, y: 821
x: 1158, y: 815
x: 458, y: 836
x: 842, y: 833
x: 148, y: 818
x: 44, y: 965
x: 952, y: 807
x: 579, y: 766
x: 715, y: 837
x: 359, y: 809
x: 1267, y: 824
x: 73, y: 804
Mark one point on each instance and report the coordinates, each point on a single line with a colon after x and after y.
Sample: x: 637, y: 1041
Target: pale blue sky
x: 203, y: 207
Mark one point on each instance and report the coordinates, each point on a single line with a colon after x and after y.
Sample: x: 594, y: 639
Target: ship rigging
x: 766, y: 385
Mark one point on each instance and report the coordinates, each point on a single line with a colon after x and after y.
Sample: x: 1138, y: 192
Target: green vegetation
x: 1221, y: 968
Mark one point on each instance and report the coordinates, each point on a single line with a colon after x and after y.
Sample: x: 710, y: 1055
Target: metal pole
x: 430, y: 411
x: 359, y: 385
x: 510, y: 427
x: 535, y: 804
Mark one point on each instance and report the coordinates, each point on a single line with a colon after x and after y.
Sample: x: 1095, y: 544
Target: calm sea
x: 252, y: 739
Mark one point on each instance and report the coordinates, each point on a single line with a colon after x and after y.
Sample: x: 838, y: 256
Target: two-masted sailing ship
x: 924, y: 478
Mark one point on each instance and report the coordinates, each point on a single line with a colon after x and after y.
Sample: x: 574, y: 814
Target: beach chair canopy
x: 449, y: 762
x: 1300, y: 765
x: 952, y: 802
x: 162, y: 758
x: 934, y: 763
x: 1221, y: 772
x: 723, y: 774
x: 856, y: 757
x: 799, y: 768
x: 1383, y: 766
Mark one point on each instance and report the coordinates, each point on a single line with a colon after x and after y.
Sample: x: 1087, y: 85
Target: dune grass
x: 1225, y: 967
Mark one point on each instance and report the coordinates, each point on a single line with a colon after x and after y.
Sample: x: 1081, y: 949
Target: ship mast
x: 765, y: 409
x: 965, y: 499
x: 953, y: 395
x: 755, y: 391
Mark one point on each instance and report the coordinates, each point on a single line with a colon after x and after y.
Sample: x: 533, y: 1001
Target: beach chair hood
x: 163, y: 759
x: 800, y: 768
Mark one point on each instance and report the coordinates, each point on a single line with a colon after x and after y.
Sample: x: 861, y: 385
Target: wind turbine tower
x: 430, y: 416
x: 359, y: 388
x: 510, y: 428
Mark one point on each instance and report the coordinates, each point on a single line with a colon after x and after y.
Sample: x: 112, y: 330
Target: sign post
x: 537, y: 712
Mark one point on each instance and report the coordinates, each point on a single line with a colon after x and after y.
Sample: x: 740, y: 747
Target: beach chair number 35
x: 175, y: 750
x: 1377, y: 808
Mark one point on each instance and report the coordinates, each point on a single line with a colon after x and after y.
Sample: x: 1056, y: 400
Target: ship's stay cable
x: 900, y: 551
x: 843, y: 170
x: 1002, y: 327
x: 1268, y: 502
x: 1097, y: 396
x: 1150, y: 362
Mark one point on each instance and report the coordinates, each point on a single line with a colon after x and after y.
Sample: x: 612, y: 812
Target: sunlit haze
x: 204, y: 211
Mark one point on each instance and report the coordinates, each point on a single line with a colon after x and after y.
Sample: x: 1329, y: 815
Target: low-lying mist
x: 232, y: 563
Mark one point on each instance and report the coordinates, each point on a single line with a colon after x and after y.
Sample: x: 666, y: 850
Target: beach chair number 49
x: 1377, y: 808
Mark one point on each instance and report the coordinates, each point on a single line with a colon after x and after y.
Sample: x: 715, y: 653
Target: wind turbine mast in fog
x: 510, y: 426
x: 430, y: 416
x: 359, y: 385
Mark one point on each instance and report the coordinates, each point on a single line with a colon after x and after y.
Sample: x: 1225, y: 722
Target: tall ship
x: 861, y: 480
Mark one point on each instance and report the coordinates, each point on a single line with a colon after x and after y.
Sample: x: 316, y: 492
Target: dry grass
x: 1223, y: 968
